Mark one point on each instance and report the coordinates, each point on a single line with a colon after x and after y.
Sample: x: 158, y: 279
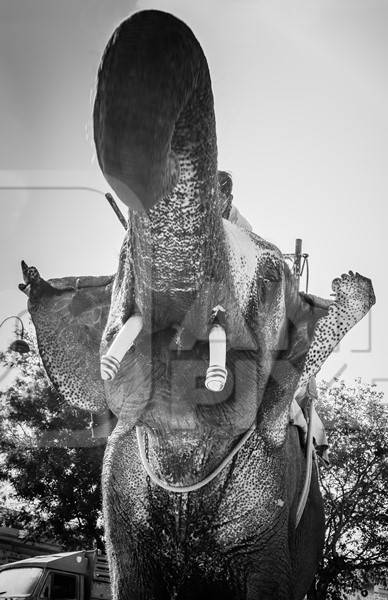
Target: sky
x: 300, y: 98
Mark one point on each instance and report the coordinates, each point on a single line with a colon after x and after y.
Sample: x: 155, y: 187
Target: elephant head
x: 184, y: 273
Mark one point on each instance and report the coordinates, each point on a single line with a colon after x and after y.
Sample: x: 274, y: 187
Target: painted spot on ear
x: 279, y: 503
x: 354, y: 297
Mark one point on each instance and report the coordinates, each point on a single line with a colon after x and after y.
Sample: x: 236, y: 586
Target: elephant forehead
x: 242, y: 255
x: 249, y: 259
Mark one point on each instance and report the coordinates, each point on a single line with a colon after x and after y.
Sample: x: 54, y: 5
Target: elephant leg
x: 134, y: 573
x: 269, y: 577
x: 268, y: 586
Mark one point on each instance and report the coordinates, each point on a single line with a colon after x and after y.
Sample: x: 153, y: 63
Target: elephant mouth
x: 163, y: 384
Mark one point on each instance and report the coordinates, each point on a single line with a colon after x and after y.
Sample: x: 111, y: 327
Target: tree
x: 48, y: 456
x: 354, y: 489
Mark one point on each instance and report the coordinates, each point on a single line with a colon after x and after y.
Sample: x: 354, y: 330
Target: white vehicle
x: 81, y: 575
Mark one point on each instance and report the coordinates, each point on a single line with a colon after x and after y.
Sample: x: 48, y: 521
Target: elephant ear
x: 354, y: 297
x: 304, y: 312
x: 69, y: 316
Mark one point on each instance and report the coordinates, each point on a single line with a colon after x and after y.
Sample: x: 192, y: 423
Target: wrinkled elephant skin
x: 236, y: 536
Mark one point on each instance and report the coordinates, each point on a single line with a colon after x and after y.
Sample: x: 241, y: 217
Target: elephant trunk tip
x: 148, y: 73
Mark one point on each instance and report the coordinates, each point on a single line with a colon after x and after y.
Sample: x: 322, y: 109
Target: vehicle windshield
x: 18, y: 582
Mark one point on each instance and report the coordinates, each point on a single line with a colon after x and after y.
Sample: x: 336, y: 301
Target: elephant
x: 203, y: 471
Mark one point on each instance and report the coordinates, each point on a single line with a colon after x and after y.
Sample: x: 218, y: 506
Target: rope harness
x: 200, y: 484
x: 310, y: 454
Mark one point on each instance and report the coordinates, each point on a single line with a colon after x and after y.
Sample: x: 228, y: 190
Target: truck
x: 80, y: 575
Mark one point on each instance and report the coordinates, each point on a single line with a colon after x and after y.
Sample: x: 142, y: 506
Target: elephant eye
x: 270, y: 278
x: 271, y: 271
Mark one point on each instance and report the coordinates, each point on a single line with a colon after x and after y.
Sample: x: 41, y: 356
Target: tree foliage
x: 48, y: 456
x: 354, y: 489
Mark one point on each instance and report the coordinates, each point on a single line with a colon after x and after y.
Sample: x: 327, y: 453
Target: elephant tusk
x: 110, y: 362
x: 216, y: 373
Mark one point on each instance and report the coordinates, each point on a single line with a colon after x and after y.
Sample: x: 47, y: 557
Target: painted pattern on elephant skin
x: 354, y: 297
x: 70, y: 313
x: 235, y: 538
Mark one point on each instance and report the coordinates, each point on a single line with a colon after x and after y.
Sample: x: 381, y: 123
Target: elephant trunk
x: 155, y: 136
x: 153, y: 112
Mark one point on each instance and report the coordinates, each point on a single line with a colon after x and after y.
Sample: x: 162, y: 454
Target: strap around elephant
x: 312, y: 393
x: 200, y: 484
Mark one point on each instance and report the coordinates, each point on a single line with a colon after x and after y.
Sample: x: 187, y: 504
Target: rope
x: 307, y: 274
x: 200, y: 484
x: 309, y: 455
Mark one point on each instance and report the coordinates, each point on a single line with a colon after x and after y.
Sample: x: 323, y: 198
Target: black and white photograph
x: 193, y: 297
